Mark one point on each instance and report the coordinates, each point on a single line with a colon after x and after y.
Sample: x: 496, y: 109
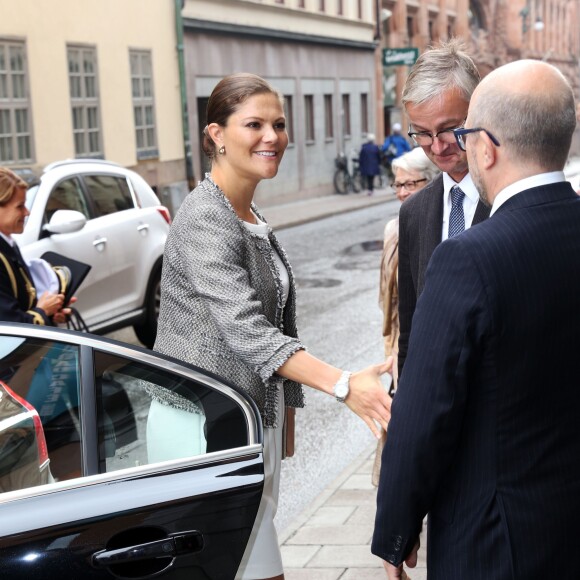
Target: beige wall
x: 113, y: 27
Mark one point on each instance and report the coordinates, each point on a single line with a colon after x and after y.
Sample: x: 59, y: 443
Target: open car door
x: 116, y: 462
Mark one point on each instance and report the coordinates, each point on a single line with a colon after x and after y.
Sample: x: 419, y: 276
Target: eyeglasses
x: 408, y: 185
x: 425, y: 138
x: 461, y: 136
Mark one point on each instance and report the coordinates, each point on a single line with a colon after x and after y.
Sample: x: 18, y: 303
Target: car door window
x: 40, y: 435
x: 109, y: 194
x: 147, y: 415
x: 66, y: 195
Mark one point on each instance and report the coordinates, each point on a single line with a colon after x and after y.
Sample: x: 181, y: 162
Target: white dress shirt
x: 8, y: 239
x: 527, y: 183
x: 469, y: 201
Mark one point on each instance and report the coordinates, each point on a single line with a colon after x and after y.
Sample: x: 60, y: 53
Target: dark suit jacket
x: 484, y: 432
x: 420, y: 231
x: 17, y: 293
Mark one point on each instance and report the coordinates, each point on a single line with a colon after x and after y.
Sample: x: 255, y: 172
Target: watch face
x: 341, y: 391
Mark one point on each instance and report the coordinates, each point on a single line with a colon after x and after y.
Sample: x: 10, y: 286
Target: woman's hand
x: 367, y: 396
x: 50, y: 303
x: 62, y: 315
x: 369, y: 399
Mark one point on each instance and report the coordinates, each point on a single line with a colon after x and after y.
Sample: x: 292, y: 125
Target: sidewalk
x: 331, y: 539
x: 299, y: 212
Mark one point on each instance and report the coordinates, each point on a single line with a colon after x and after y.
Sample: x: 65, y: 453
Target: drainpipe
x: 179, y: 4
x: 378, y: 19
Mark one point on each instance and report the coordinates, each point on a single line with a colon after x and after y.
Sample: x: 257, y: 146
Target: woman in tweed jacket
x: 228, y: 298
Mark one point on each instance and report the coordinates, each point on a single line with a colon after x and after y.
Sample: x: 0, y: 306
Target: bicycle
x: 344, y: 182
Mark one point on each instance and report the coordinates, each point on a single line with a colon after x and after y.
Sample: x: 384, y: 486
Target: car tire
x: 146, y: 331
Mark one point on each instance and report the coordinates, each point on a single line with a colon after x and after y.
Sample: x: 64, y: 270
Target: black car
x: 116, y: 462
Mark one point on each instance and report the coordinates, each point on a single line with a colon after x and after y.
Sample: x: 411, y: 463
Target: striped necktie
x: 456, y: 217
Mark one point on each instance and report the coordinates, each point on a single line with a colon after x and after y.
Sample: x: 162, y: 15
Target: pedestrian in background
x: 369, y: 163
x: 228, y: 300
x: 436, y: 97
x: 484, y: 432
x: 395, y: 145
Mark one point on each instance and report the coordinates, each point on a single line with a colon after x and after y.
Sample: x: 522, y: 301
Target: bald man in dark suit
x: 484, y: 432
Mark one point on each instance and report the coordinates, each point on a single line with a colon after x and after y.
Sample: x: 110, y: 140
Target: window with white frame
x: 84, y: 96
x: 15, y: 125
x: 143, y: 103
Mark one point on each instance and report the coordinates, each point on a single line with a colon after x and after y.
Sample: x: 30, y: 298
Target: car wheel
x: 146, y: 331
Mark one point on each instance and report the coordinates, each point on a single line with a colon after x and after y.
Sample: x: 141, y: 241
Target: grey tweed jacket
x: 221, y: 300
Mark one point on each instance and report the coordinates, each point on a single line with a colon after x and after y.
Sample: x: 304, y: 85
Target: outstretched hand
x: 369, y: 399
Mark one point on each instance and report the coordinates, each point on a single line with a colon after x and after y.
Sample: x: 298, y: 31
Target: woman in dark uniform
x: 18, y: 299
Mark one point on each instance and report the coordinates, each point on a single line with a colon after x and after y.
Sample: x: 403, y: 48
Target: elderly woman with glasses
x: 412, y: 171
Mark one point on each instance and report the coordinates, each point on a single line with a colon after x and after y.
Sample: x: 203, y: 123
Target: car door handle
x: 142, y: 227
x: 99, y: 241
x: 173, y: 545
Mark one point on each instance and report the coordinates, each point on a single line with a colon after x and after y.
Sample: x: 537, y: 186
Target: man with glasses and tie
x: 484, y: 430
x: 436, y: 97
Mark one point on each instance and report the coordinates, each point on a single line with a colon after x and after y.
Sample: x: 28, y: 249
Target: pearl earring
x: 222, y: 150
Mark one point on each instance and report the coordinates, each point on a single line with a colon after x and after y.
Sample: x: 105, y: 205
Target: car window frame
x: 86, y: 191
x: 88, y: 410
x: 83, y: 191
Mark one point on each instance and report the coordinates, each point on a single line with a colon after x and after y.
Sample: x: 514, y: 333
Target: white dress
x: 262, y: 558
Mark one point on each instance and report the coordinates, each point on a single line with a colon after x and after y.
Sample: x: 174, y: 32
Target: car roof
x: 58, y: 170
x: 81, y: 166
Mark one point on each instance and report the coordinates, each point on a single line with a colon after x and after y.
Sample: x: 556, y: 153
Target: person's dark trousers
x: 370, y: 179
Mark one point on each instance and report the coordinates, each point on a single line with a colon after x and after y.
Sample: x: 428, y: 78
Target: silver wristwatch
x: 341, y: 388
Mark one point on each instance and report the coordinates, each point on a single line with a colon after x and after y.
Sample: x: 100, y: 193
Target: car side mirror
x: 65, y: 221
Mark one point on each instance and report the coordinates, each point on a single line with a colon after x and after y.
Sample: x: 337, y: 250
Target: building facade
x: 318, y: 53
x: 495, y: 31
x: 78, y: 79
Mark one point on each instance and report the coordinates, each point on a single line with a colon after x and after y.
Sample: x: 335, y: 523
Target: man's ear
x: 489, y: 151
x: 215, y: 132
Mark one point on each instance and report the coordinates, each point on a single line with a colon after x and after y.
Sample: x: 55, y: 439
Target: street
x: 336, y: 265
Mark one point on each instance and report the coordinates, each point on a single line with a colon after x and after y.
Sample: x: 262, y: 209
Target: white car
x: 107, y: 216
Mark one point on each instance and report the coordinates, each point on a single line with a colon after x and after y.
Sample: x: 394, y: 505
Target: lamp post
x: 525, y: 14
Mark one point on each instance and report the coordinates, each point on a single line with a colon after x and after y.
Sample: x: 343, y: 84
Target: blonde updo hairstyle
x: 226, y: 98
x: 9, y: 184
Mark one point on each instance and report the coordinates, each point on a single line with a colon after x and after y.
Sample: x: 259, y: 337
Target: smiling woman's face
x: 13, y: 214
x: 255, y: 138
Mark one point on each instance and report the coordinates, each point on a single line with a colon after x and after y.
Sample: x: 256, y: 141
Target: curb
x: 298, y: 213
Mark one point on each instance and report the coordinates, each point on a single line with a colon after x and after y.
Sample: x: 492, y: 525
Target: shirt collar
x: 466, y: 185
x: 8, y: 240
x: 523, y: 184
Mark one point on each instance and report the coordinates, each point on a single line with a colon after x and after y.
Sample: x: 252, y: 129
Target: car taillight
x: 165, y: 213
x: 39, y: 431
